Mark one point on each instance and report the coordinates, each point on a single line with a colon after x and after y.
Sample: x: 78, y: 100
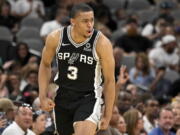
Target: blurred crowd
x: 146, y: 43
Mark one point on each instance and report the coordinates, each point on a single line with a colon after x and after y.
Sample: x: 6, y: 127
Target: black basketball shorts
x: 87, y: 108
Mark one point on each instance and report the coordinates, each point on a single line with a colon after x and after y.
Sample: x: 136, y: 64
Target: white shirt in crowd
x: 160, y: 56
x: 148, y: 30
x: 48, y: 27
x: 23, y: 6
x: 13, y: 5
x: 147, y: 125
x: 14, y: 129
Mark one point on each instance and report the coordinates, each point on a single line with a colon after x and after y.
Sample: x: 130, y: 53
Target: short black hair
x: 81, y: 7
x: 150, y: 99
x: 37, y: 113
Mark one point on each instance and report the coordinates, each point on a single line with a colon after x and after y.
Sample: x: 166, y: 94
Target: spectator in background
x: 165, y: 11
x: 133, y: 89
x: 22, y: 56
x: 134, y: 121
x: 103, y: 18
x: 30, y: 91
x: 100, y: 25
x: 49, y: 26
x: 12, y: 66
x: 39, y: 122
x: 175, y: 87
x: 122, y: 125
x: 113, y: 125
x: 160, y: 86
x: 67, y: 3
x: 155, y: 30
x: 6, y: 19
x: 166, y: 120
x: 1, y: 3
x: 132, y: 42
x: 118, y: 56
x: 166, y: 54
x: 2, y: 122
x: 36, y: 104
x: 102, y: 11
x: 22, y: 122
x: 124, y: 102
x: 28, y: 67
x: 122, y: 79
x: 140, y: 101
x: 176, y: 111
x: 7, y: 108
x: 3, y: 89
x: 32, y: 8
x: 141, y: 75
x: 176, y: 125
x: 50, y: 6
x: 176, y: 102
x: 13, y: 6
x: 151, y: 114
x: 115, y: 117
x: 50, y: 127
x: 32, y: 79
x: 13, y: 84
x: 120, y: 16
x: 168, y: 30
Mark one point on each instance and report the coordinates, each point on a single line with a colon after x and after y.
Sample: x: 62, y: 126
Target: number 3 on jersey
x: 73, y: 72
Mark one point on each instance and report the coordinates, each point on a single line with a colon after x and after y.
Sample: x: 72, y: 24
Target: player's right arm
x: 44, y: 76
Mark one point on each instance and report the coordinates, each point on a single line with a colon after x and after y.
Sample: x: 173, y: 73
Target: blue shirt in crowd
x: 158, y: 131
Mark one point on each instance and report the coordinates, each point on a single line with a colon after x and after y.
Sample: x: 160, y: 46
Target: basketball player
x: 82, y: 53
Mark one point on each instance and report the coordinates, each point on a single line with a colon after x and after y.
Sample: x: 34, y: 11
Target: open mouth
x: 89, y: 31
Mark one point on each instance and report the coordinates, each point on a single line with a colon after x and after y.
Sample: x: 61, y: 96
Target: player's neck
x: 76, y: 37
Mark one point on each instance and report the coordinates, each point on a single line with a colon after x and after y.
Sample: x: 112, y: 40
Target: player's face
x: 84, y: 23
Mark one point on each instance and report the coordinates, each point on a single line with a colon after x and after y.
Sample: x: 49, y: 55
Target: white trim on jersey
x: 94, y: 47
x: 54, y: 121
x: 71, y: 40
x: 98, y: 74
x: 60, y: 40
x: 98, y: 80
x: 57, y: 50
x: 96, y: 115
x: 56, y: 76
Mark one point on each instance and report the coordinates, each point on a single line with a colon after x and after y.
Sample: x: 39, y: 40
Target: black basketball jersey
x: 79, y: 67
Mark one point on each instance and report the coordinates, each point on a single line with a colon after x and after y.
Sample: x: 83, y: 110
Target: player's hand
x: 47, y: 104
x: 104, y: 123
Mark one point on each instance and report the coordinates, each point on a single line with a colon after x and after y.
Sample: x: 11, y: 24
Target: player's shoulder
x: 56, y: 33
x: 103, y: 44
x: 103, y: 40
x: 54, y: 37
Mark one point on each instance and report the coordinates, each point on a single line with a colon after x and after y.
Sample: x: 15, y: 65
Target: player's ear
x: 72, y: 21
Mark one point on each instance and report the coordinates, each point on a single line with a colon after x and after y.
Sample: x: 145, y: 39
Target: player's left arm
x: 105, y: 53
